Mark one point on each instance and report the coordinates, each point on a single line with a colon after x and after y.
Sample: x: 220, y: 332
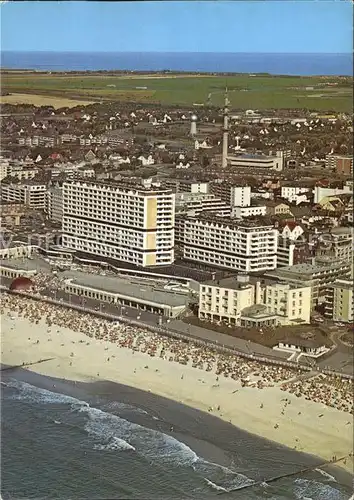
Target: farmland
x: 245, y: 91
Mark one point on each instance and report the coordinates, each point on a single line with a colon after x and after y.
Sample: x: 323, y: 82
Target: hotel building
x: 246, y: 245
x: 339, y: 305
x: 122, y: 221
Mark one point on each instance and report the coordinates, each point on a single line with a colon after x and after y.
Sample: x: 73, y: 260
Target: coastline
x: 83, y: 359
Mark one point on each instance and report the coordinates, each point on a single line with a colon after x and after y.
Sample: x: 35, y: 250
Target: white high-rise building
x: 54, y: 204
x: 123, y: 221
x: 240, y: 196
x: 246, y: 245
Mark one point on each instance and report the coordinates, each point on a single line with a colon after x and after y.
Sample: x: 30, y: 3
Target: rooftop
x: 230, y: 283
x: 123, y: 184
x: 146, y: 291
x: 232, y: 223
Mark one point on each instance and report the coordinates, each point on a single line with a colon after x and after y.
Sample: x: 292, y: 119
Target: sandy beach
x: 270, y: 412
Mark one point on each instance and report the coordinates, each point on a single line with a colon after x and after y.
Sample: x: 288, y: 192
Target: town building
x: 249, y: 211
x: 224, y: 300
x: 200, y: 202
x: 339, y: 304
x: 322, y: 192
x: 246, y: 245
x: 54, y: 204
x: 237, y: 301
x: 295, y: 194
x: 30, y: 193
x: 342, y: 165
x: 129, y: 222
x: 317, y: 276
x: 257, y: 162
x: 11, y: 214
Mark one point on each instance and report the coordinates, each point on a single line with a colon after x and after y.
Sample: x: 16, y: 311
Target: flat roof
x: 230, y: 282
x: 303, y: 269
x: 345, y: 284
x: 143, y: 291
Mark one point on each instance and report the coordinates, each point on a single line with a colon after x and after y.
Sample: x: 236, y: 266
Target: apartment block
x: 343, y: 165
x: 236, y: 196
x: 317, y: 275
x: 290, y: 303
x: 54, y: 204
x: 124, y: 221
x: 246, y: 245
x: 200, y: 202
x: 30, y: 193
x: 339, y: 305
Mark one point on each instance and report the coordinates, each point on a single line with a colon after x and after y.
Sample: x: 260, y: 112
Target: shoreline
x: 309, y: 426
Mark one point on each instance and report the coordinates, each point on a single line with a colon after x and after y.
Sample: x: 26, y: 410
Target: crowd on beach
x: 321, y: 388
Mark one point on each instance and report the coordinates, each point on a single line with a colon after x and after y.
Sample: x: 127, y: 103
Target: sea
x: 62, y: 440
x: 275, y: 63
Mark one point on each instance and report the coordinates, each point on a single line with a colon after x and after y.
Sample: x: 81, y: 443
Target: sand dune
x: 80, y: 358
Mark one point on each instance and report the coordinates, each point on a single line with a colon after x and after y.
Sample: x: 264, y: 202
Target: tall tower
x: 193, y: 131
x: 225, y: 137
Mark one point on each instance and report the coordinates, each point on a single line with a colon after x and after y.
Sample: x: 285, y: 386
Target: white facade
x: 125, y: 222
x: 291, y: 193
x: 243, y: 246
x: 200, y: 187
x: 321, y: 192
x: 240, y: 196
x: 223, y: 301
x: 242, y: 212
x: 288, y: 302
x: 54, y: 206
x: 231, y: 299
x: 32, y: 195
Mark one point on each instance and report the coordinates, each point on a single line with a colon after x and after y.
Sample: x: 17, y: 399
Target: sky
x: 316, y: 26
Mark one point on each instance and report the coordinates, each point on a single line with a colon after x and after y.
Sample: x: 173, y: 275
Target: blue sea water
x: 276, y: 63
x: 55, y: 445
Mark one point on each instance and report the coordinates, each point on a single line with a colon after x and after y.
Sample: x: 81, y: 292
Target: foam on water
x: 215, y: 486
x: 110, y: 432
x: 28, y: 392
x: 114, y: 444
x: 329, y: 477
x: 305, y: 488
x: 149, y: 443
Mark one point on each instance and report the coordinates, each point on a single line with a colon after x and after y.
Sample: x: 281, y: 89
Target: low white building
x: 321, y: 192
x: 250, y: 211
x: 294, y: 194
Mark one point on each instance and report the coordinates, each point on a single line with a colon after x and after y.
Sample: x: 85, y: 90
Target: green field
x: 245, y: 91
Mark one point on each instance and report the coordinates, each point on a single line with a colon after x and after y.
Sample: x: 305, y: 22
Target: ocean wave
x: 222, y: 476
x: 215, y: 486
x: 28, y: 392
x: 305, y: 488
x: 115, y: 433
x: 151, y: 444
x: 114, y: 444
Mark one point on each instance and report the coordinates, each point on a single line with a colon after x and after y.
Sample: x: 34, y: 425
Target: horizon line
x: 162, y: 52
